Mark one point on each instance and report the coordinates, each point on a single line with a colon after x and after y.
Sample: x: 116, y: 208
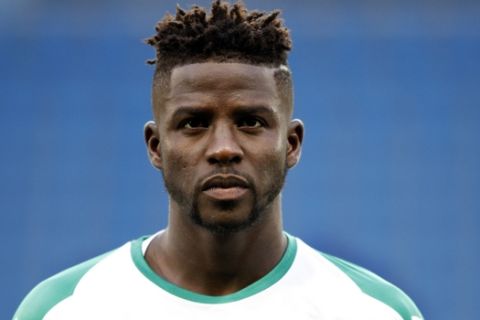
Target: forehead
x: 222, y: 80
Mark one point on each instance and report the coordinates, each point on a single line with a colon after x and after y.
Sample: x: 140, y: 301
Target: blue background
x: 390, y: 174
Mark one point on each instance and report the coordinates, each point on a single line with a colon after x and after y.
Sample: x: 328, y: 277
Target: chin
x: 225, y: 218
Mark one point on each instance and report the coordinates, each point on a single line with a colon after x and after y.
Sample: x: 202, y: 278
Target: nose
x: 223, y: 146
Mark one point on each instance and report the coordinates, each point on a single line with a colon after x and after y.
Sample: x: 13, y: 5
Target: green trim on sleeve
x: 263, y: 283
x: 53, y: 290
x: 378, y: 288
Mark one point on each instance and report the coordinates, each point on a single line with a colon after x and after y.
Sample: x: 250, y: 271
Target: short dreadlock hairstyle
x: 228, y: 33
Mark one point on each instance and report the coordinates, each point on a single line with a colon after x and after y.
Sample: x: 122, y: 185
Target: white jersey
x: 305, y: 284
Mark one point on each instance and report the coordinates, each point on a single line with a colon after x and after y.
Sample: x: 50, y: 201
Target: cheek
x: 175, y: 162
x: 271, y: 161
x: 276, y: 150
x: 181, y: 162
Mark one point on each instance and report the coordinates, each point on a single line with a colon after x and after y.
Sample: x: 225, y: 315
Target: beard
x: 189, y: 201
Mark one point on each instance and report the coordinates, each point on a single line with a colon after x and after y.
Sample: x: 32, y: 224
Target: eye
x: 194, y: 123
x: 250, y: 122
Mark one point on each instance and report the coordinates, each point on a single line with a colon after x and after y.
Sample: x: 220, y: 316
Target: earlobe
x: 152, y: 141
x: 294, y: 140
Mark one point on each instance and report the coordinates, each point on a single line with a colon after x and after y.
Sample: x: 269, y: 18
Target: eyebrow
x: 253, y: 109
x: 205, y: 111
x: 192, y: 111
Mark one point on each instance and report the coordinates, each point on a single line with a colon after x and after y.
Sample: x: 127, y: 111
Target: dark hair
x: 228, y: 33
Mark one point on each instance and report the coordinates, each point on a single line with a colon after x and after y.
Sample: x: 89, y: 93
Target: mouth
x: 225, y: 187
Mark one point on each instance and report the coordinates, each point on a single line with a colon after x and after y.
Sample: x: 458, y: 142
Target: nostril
x: 236, y: 159
x: 216, y: 160
x: 225, y: 157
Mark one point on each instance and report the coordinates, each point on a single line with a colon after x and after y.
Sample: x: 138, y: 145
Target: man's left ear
x: 294, y: 140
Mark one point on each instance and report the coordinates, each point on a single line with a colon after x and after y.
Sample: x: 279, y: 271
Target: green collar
x: 265, y: 282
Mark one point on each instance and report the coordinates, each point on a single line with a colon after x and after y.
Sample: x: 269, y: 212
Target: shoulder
x: 53, y: 290
x: 378, y: 288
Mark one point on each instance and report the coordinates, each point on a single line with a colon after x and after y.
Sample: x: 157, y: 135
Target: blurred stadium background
x: 390, y: 175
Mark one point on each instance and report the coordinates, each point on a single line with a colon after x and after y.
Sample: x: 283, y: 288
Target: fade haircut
x: 229, y: 33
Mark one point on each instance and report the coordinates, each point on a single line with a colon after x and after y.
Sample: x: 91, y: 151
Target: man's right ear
x: 152, y: 140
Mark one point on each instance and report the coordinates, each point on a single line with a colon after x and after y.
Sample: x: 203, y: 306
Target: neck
x: 202, y: 261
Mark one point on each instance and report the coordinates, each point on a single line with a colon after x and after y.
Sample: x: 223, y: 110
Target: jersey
x: 305, y: 284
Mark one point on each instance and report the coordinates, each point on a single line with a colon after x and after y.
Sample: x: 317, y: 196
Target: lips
x: 225, y: 187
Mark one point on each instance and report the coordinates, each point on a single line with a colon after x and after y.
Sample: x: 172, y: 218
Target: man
x: 223, y: 138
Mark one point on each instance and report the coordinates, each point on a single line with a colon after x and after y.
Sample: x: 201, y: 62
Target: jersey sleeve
x: 378, y: 288
x: 53, y: 290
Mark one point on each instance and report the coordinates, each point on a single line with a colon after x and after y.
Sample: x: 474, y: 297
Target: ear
x: 294, y: 140
x: 152, y: 140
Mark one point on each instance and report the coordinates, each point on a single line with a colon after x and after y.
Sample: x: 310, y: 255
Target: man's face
x: 224, y: 141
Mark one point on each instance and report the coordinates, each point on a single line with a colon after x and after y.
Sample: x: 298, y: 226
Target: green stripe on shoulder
x: 53, y: 290
x: 378, y: 288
